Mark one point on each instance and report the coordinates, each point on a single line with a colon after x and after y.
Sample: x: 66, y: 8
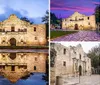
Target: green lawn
x: 55, y: 34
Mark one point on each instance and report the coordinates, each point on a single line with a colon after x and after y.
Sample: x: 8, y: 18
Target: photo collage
x: 58, y: 43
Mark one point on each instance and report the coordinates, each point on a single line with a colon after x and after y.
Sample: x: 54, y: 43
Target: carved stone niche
x: 12, y: 56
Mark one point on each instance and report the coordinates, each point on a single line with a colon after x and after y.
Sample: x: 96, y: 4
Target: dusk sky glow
x: 65, y: 8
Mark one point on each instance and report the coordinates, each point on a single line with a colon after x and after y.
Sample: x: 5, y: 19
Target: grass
x: 55, y: 34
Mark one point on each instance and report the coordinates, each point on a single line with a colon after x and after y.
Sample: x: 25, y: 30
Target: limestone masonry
x: 78, y: 21
x: 69, y: 61
x: 16, y: 32
x: 16, y: 65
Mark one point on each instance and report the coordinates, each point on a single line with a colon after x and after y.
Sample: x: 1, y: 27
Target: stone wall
x: 69, y: 60
x: 24, y: 33
x: 83, y: 22
x: 24, y: 59
x: 16, y: 65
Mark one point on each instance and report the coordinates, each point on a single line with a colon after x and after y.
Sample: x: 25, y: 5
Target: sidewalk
x: 84, y: 80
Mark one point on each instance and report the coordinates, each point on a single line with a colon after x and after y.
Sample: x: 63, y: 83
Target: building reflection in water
x: 35, y: 79
x: 20, y: 64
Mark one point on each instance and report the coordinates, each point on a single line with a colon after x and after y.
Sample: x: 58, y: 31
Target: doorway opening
x: 80, y: 70
x: 13, y: 42
x: 76, y: 27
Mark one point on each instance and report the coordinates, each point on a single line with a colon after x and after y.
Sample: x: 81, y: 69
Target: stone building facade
x: 78, y: 21
x: 69, y: 61
x: 16, y: 65
x: 16, y: 32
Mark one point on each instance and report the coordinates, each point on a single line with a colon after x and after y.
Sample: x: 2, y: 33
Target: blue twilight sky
x: 32, y: 9
x: 65, y: 8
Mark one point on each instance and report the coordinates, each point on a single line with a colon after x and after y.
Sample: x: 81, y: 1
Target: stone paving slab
x: 80, y: 36
x: 84, y: 80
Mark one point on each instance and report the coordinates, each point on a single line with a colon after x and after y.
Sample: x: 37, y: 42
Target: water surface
x: 35, y: 79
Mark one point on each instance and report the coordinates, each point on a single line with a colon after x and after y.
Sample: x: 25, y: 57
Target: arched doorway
x: 76, y: 27
x: 80, y: 70
x: 13, y: 42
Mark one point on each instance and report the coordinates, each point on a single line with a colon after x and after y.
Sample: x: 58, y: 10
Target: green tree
x: 52, y: 59
x: 53, y: 54
x: 53, y: 19
x: 45, y: 19
x: 26, y: 19
x: 94, y: 54
x: 97, y: 13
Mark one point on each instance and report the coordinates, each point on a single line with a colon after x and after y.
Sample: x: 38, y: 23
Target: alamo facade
x: 78, y: 21
x: 69, y: 61
x: 16, y: 32
x: 17, y: 63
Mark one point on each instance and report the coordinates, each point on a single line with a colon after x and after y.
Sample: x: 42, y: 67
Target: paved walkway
x: 84, y: 80
x: 80, y: 36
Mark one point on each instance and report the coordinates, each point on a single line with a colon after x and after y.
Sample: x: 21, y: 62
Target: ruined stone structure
x: 16, y: 65
x: 16, y: 32
x: 78, y: 21
x: 69, y: 61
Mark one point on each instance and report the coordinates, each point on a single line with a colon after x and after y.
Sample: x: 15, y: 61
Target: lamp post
x: 79, y: 70
x: 79, y: 77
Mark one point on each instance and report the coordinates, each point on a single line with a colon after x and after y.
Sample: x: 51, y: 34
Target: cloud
x: 98, y: 3
x: 66, y: 7
x: 32, y: 9
x: 80, y: 9
x: 9, y: 11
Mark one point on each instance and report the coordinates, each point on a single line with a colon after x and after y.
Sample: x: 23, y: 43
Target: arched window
x: 3, y: 41
x: 88, y: 18
x: 35, y: 38
x: 35, y: 59
x: 64, y: 63
x: 76, y: 18
x: 18, y: 30
x: 3, y: 56
x: 3, y: 67
x: 80, y: 56
x: 34, y: 29
x: 34, y: 67
x: 25, y: 30
x: 64, y: 51
x: 25, y: 67
x: 12, y: 29
x: 12, y: 68
x: 3, y: 30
